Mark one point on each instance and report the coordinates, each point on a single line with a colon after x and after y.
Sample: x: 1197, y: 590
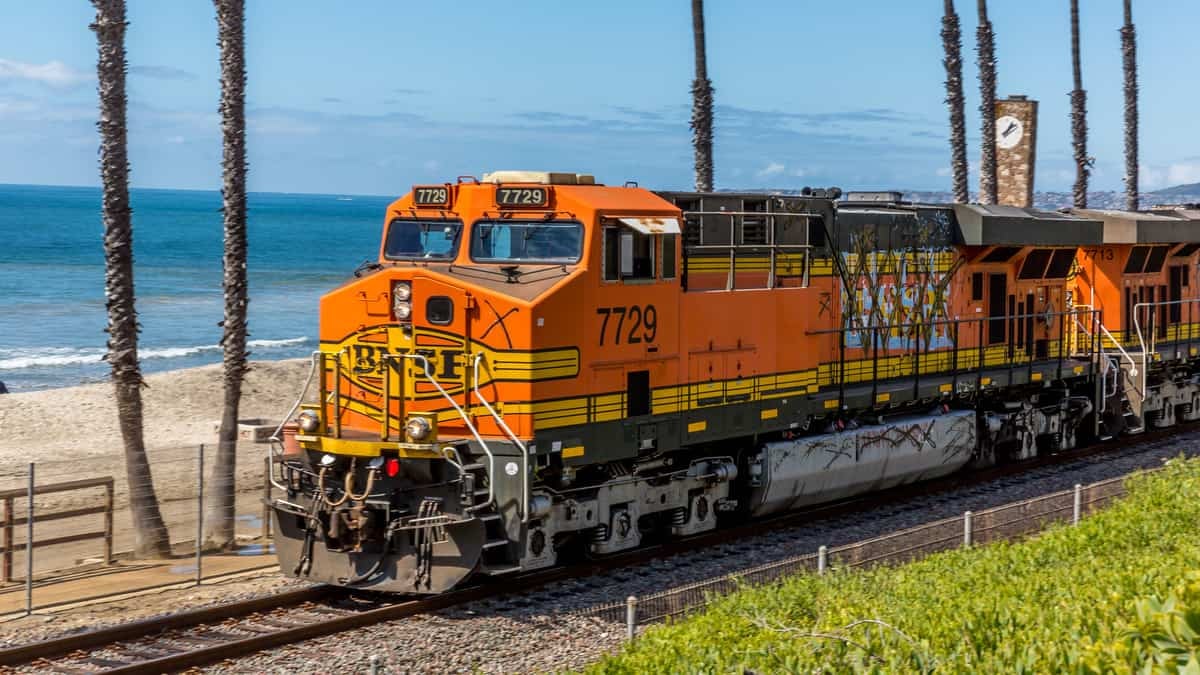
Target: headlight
x: 417, y: 428
x: 308, y: 421
x: 401, y: 295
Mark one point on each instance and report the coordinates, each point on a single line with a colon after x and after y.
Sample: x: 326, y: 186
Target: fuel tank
x: 795, y: 473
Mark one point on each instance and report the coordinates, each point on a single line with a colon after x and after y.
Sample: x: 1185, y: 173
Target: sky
x: 376, y: 95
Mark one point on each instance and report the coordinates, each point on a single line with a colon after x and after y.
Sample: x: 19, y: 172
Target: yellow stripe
x: 573, y: 451
x: 769, y: 414
x: 696, y: 427
x: 344, y: 446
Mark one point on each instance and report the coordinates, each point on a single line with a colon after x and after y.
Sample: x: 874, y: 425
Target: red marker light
x: 392, y: 467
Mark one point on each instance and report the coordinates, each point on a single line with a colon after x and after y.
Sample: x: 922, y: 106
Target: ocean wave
x: 49, y: 357
x: 285, y: 342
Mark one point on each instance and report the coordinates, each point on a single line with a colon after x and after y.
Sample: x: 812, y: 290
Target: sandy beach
x: 78, y: 423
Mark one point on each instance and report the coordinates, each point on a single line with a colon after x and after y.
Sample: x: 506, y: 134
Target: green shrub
x: 1110, y: 595
x: 1163, y: 636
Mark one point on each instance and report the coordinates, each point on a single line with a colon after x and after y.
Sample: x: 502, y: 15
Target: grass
x: 1118, y: 593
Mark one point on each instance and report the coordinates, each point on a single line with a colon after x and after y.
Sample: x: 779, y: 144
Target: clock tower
x: 1016, y: 150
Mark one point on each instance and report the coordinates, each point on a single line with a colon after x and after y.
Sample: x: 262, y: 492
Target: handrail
x: 1132, y: 371
x: 275, y: 438
x: 466, y: 419
x: 511, y: 435
x: 1081, y: 326
x: 1104, y: 360
x: 767, y: 219
x: 786, y: 214
x: 1105, y: 332
x: 1137, y: 325
x: 947, y: 321
x: 725, y: 247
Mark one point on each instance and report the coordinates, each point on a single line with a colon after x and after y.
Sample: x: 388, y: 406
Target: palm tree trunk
x: 1129, y: 56
x: 150, y: 532
x: 1078, y: 115
x: 231, y: 37
x: 952, y: 45
x: 986, y: 52
x: 702, y: 105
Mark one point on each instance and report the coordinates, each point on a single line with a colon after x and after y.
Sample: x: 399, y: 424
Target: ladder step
x: 473, y: 467
x: 481, y: 492
x: 489, y: 517
x: 495, y: 543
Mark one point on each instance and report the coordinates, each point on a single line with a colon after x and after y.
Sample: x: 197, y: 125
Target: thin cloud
x: 644, y: 115
x: 771, y: 169
x: 162, y: 73
x: 52, y: 73
x: 550, y: 117
x: 776, y: 118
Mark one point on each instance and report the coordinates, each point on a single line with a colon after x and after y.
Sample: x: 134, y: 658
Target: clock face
x: 1009, y: 131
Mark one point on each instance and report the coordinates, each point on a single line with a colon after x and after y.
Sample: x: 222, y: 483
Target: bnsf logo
x: 444, y: 364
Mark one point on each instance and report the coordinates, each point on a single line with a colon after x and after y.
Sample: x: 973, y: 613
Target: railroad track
x: 213, y: 634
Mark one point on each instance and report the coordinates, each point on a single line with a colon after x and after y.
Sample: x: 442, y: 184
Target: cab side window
x: 628, y: 255
x: 612, y: 254
x: 668, y: 256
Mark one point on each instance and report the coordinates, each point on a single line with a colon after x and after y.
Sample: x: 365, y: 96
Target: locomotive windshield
x: 526, y: 242
x: 425, y: 239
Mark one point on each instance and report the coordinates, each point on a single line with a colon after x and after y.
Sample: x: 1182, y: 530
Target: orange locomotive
x: 541, y: 367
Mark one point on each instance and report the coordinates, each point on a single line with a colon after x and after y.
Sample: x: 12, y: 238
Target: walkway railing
x: 11, y: 520
x: 1000, y: 523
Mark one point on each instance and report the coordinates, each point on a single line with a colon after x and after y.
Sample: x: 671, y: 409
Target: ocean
x: 52, y: 314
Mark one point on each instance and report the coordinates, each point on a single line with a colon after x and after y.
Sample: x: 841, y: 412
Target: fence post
x: 7, y: 574
x: 1077, y: 512
x: 266, y: 514
x: 29, y: 549
x: 967, y: 529
x: 374, y: 661
x: 631, y: 617
x: 200, y: 515
x: 822, y: 559
x: 108, y: 522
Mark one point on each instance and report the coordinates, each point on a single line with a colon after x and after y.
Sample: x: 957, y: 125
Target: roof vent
x: 539, y: 177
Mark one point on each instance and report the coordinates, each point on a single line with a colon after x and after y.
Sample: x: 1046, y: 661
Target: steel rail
x: 100, y: 637
x: 64, y: 647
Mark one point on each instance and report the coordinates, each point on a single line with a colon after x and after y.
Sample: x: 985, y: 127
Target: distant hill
x: 1182, y: 193
x: 1104, y: 199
